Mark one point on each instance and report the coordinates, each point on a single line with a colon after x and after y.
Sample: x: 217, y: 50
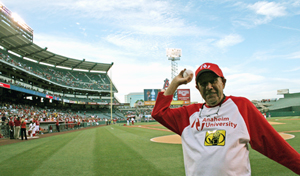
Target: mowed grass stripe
x: 11, y: 150
x: 74, y: 158
x: 289, y: 125
x: 133, y: 149
x: 114, y: 157
x: 27, y: 161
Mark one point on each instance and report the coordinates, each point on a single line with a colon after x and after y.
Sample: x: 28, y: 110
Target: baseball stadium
x: 81, y: 126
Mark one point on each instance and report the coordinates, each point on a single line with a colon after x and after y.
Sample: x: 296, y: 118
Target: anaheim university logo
x: 212, y: 122
x: 215, y: 138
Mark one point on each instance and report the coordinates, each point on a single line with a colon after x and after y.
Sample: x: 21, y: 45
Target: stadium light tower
x: 173, y: 55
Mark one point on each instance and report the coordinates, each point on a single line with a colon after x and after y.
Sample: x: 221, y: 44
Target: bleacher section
x: 78, y: 79
x: 103, y: 114
x: 71, y: 78
x: 287, y: 106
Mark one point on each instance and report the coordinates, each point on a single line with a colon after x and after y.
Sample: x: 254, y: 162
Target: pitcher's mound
x: 171, y: 139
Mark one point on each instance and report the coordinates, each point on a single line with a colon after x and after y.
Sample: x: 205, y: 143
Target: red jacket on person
x: 17, y: 122
x: 23, y: 125
x: 11, y: 123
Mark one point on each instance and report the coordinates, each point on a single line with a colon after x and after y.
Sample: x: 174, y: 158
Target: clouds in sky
x: 295, y: 55
x: 134, y: 35
x: 269, y: 11
x: 261, y: 12
x: 229, y: 40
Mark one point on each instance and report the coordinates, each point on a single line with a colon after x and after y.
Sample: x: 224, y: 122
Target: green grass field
x: 117, y: 150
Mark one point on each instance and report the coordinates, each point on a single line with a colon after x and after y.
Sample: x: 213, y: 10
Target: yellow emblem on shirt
x: 215, y: 138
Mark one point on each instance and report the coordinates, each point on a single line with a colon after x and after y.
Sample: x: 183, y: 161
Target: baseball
x: 188, y: 73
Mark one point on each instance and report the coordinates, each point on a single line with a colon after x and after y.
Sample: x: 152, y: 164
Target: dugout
x: 289, y: 105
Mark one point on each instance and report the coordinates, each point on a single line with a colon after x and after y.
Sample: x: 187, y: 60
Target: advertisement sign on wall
x: 150, y: 94
x: 49, y: 96
x: 4, y: 85
x: 149, y: 103
x: 178, y: 102
x: 183, y: 94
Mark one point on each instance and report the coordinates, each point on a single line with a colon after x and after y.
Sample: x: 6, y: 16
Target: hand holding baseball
x: 189, y: 74
x: 184, y: 77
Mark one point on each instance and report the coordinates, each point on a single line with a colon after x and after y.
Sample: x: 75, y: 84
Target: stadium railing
x: 72, y: 126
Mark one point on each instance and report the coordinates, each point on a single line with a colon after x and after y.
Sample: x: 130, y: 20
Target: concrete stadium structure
x: 287, y: 106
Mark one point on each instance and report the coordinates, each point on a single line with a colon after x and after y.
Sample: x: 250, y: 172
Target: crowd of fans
x: 268, y: 100
x: 9, y: 81
x: 93, y: 81
x: 11, y: 112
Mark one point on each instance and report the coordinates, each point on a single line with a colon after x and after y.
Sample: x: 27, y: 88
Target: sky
x: 255, y: 43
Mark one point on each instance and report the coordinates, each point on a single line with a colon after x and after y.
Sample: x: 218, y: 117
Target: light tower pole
x: 174, y: 67
x: 174, y: 55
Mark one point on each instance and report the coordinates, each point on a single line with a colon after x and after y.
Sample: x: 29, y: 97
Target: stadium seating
x: 71, y: 78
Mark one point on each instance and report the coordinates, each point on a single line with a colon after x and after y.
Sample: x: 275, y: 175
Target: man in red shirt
x: 17, y: 127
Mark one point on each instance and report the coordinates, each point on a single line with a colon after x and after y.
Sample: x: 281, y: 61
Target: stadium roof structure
x: 16, y: 39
